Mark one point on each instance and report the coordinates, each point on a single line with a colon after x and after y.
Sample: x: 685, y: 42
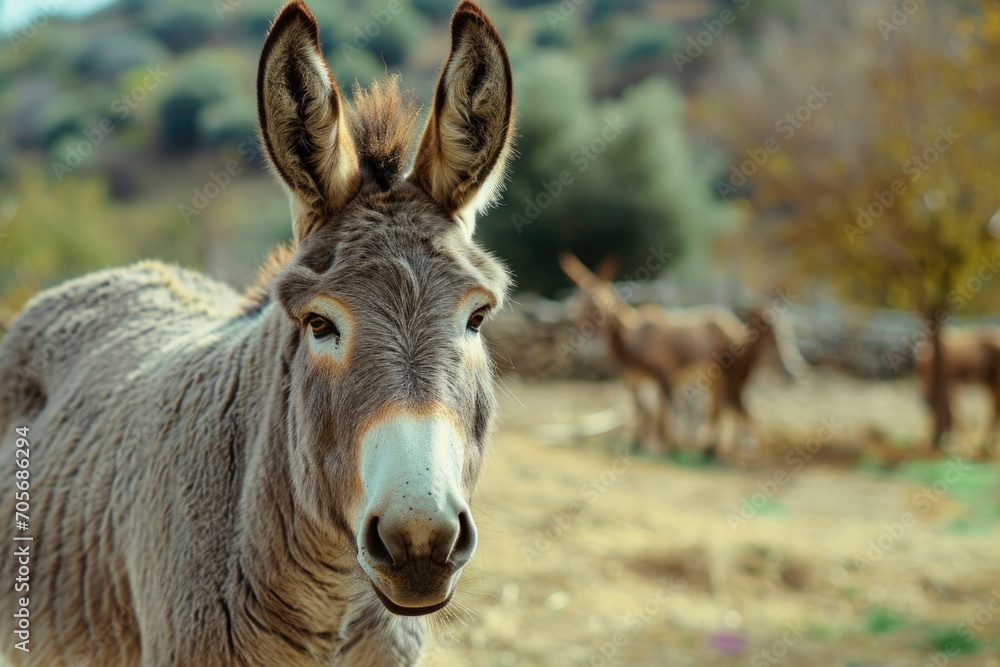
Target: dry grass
x: 647, y: 564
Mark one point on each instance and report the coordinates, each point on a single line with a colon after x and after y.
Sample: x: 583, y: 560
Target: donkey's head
x: 772, y: 336
x: 390, y: 399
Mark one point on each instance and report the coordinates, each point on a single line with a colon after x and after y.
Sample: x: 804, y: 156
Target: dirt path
x: 588, y: 557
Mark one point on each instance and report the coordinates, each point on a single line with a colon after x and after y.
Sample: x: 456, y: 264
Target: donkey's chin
x: 414, y: 607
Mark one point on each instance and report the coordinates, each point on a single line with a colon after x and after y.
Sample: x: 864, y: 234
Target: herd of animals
x: 653, y: 346
x: 284, y: 477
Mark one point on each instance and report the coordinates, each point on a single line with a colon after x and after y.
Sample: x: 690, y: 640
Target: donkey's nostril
x: 465, y: 545
x: 378, y: 552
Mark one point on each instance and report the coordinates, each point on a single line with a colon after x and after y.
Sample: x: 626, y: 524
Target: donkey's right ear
x: 303, y: 126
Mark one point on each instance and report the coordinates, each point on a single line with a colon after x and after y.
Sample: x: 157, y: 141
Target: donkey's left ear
x: 468, y: 138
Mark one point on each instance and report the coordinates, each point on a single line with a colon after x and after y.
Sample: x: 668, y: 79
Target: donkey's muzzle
x: 415, y: 532
x: 415, y: 557
x: 440, y: 541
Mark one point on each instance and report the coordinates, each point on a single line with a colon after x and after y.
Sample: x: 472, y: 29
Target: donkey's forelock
x: 382, y: 121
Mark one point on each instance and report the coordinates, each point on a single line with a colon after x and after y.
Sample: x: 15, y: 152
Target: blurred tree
x: 902, y: 209
x: 182, y: 30
x: 436, y: 10
x: 109, y: 53
x: 600, y: 178
x: 38, y: 238
x: 197, y: 82
x: 599, y: 10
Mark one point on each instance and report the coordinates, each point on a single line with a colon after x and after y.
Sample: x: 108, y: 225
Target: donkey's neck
x: 291, y: 572
x: 753, y: 349
x: 619, y: 322
x: 618, y: 313
x: 295, y: 573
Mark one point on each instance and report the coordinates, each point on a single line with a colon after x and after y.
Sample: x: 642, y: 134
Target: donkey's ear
x: 608, y: 269
x: 464, y: 148
x: 576, y: 271
x: 302, y: 122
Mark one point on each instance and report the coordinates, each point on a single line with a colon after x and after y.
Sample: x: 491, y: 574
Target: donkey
x: 679, y: 349
x: 300, y: 493
x: 970, y: 356
x: 763, y: 333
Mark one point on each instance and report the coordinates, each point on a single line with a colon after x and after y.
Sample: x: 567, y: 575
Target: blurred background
x: 834, y: 161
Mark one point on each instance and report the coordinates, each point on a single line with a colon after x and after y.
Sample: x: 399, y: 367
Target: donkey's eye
x: 321, y: 327
x: 476, y: 321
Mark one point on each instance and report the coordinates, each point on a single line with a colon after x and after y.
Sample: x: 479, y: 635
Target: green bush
x: 196, y: 83
x: 600, y: 178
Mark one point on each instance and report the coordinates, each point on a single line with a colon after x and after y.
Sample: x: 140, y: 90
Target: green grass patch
x: 881, y: 620
x: 691, y: 458
x: 977, y: 525
x: 952, y: 642
x: 974, y: 484
x: 772, y: 507
x: 823, y: 633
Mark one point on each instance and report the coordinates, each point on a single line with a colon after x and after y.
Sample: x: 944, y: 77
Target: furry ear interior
x: 464, y: 148
x: 303, y: 126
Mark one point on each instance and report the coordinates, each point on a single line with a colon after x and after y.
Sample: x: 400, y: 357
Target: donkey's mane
x: 382, y: 120
x: 256, y: 294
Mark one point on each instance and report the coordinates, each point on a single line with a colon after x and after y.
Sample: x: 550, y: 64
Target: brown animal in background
x: 671, y: 346
x: 970, y: 356
x: 736, y: 365
x: 217, y: 480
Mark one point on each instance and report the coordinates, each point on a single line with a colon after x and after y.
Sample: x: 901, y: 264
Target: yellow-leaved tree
x: 888, y: 184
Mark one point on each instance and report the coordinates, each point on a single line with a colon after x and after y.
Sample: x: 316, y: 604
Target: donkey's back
x: 116, y: 318
x: 74, y: 374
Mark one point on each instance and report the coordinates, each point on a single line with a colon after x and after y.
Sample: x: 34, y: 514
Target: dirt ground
x: 826, y: 548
